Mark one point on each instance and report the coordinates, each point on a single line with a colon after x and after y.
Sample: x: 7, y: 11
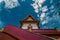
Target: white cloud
x: 48, y: 20
x: 38, y: 15
x: 35, y: 6
x: 36, y: 10
x: 11, y: 3
x: 42, y: 16
x: 44, y: 9
x: 1, y: 0
x: 44, y: 22
x: 40, y: 5
x: 41, y: 1
x: 51, y: 7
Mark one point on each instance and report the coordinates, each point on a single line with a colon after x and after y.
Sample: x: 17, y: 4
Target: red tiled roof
x: 23, y: 34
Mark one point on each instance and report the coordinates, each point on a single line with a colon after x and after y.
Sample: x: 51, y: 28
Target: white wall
x: 25, y: 26
x: 34, y: 26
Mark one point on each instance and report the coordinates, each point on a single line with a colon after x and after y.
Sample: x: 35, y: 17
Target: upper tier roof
x: 30, y: 19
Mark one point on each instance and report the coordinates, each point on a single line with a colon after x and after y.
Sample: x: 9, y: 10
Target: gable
x: 29, y: 18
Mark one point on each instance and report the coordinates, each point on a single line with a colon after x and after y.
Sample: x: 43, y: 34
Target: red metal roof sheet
x: 23, y: 34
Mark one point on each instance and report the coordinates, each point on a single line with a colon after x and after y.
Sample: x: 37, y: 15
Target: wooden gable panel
x: 29, y: 18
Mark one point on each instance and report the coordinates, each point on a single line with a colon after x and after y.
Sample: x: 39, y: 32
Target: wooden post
x: 30, y: 27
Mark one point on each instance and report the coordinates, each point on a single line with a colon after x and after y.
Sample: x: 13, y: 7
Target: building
x: 29, y: 23
x: 29, y: 30
x: 32, y: 25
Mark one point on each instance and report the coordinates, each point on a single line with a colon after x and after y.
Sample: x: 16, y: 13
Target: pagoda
x: 29, y: 23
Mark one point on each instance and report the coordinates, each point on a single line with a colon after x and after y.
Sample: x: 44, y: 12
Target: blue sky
x: 11, y: 12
